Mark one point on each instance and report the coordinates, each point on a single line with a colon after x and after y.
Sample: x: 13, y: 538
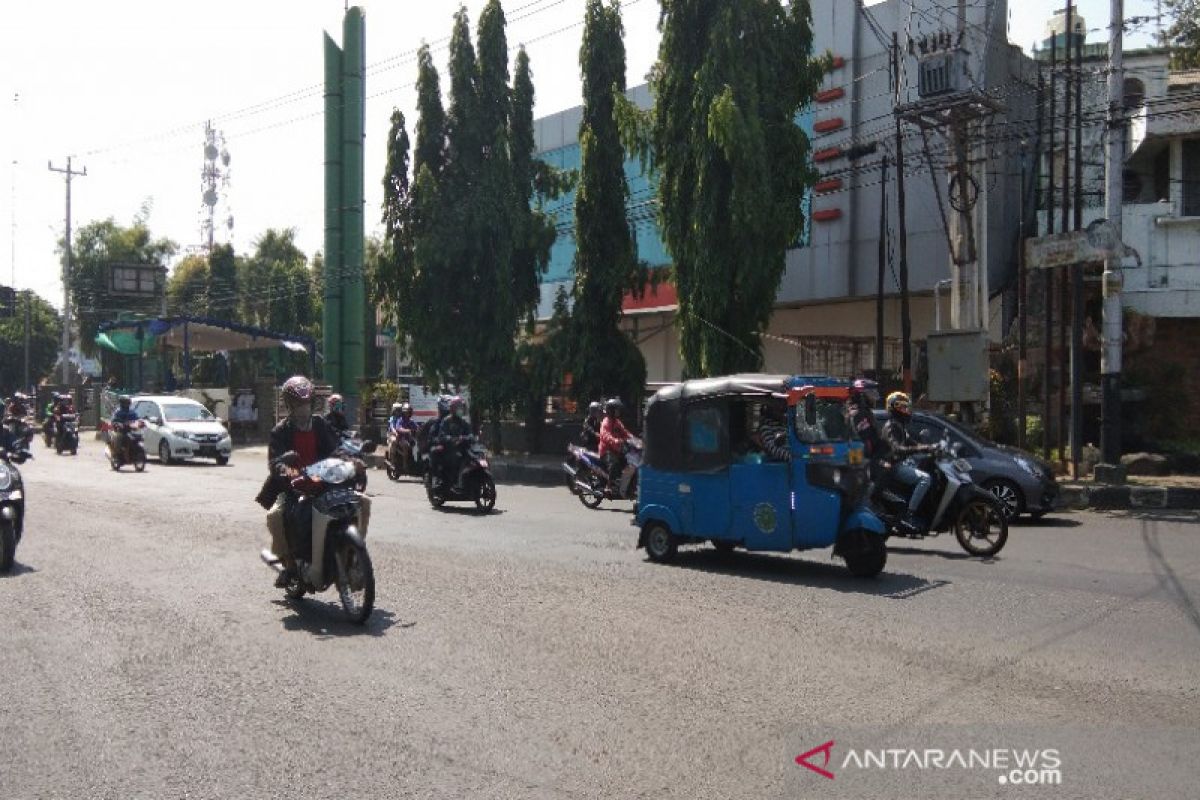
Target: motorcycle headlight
x: 962, y: 465
x: 6, y: 477
x: 1027, y: 465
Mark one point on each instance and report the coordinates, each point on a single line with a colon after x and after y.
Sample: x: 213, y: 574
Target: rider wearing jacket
x: 402, y: 431
x: 904, y: 447
x: 589, y: 437
x: 336, y: 416
x: 613, y: 439
x: 124, y: 415
x: 864, y: 394
x: 453, y: 433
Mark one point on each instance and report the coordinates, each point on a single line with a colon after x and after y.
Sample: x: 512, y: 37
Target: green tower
x: 344, y: 321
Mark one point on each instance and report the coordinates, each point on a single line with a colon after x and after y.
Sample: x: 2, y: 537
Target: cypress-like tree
x: 391, y: 281
x: 222, y: 282
x: 604, y: 362
x: 732, y: 165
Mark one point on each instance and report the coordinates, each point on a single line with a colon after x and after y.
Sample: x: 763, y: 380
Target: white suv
x: 180, y: 428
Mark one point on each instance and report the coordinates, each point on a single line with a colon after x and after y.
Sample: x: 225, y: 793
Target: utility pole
x: 28, y: 302
x: 882, y: 269
x: 902, y: 221
x: 66, y: 273
x: 1114, y: 161
x: 1048, y: 275
x: 965, y: 311
x: 1077, y: 301
x: 1063, y: 288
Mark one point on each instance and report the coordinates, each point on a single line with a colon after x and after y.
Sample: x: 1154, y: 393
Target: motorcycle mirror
x: 810, y: 409
x: 370, y: 447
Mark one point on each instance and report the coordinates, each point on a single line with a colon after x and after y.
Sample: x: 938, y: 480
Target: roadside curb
x: 1081, y: 497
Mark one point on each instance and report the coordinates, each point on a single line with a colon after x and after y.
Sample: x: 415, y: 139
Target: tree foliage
x: 188, y: 287
x: 1183, y: 35
x: 277, y: 290
x: 604, y: 361
x: 732, y: 164
x: 98, y: 247
x: 45, y: 329
x: 464, y: 248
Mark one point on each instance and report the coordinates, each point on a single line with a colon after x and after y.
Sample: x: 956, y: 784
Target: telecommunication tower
x: 214, y: 187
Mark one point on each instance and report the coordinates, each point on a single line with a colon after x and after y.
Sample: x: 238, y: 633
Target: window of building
x: 1191, y: 178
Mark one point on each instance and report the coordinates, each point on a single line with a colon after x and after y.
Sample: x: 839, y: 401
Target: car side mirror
x: 154, y: 420
x: 810, y: 409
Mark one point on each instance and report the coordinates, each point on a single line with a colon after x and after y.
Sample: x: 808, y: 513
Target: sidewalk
x: 1178, y: 492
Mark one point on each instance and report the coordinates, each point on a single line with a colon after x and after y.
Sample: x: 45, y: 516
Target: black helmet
x: 124, y: 400
x: 865, y: 390
x: 613, y: 405
x: 594, y: 408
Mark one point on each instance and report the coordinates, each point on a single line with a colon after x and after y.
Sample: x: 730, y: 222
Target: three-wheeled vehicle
x: 705, y: 475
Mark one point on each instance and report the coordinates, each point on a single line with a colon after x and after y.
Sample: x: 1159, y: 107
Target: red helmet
x: 456, y: 403
x: 297, y: 390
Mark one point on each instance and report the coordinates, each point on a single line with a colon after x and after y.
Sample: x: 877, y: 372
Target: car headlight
x: 1026, y: 465
x: 6, y: 477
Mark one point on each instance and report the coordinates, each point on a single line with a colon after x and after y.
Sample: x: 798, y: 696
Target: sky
x: 125, y: 87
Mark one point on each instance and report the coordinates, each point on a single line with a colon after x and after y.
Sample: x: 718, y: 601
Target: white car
x: 180, y: 428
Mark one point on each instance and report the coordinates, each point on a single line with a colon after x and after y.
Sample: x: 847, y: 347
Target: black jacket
x: 877, y: 446
x: 453, y: 426
x: 901, y: 442
x: 337, y: 420
x: 589, y: 437
x: 281, y: 442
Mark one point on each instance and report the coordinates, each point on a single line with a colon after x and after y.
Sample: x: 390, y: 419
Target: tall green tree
x: 97, y: 248
x: 605, y: 361
x: 276, y: 286
x: 45, y: 329
x: 188, y: 287
x: 222, y: 283
x: 732, y: 164
x: 392, y: 270
x: 1183, y: 36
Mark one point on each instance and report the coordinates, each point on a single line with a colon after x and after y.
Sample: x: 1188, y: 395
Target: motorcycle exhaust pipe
x: 567, y: 468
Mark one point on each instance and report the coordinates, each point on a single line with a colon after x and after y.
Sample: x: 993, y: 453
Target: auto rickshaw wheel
x: 869, y: 561
x: 661, y: 544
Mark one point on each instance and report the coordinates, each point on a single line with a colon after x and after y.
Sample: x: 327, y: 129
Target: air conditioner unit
x: 942, y: 73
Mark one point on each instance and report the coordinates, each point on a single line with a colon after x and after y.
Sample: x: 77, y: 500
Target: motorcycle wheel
x: 8, y: 546
x: 981, y: 528
x: 436, y: 500
x: 360, y: 482
x: 355, y: 580
x: 112, y: 462
x: 139, y: 460
x: 392, y: 473
x: 594, y: 498
x: 485, y: 498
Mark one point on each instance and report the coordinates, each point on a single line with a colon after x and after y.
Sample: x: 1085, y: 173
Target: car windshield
x: 186, y: 412
x: 831, y: 424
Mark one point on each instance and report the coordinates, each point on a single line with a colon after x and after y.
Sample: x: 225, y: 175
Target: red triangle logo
x: 827, y: 749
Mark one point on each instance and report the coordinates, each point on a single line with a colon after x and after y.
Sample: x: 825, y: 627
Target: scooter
x: 322, y: 526
x: 395, y: 467
x: 21, y: 428
x: 66, y: 435
x: 134, y: 451
x: 953, y: 502
x: 352, y: 448
x: 588, y: 475
x: 12, y: 505
x: 474, y: 484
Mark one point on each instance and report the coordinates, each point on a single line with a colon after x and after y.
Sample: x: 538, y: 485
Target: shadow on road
x: 1046, y: 522
x: 469, y: 511
x: 326, y: 620
x: 17, y: 569
x: 1166, y: 576
x: 780, y: 569
x: 951, y: 555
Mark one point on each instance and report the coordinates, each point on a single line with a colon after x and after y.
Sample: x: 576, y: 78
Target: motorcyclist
x: 55, y: 409
x: 300, y: 440
x: 614, y: 438
x: 864, y: 396
x: 336, y: 415
x: 402, y: 431
x: 427, y: 435
x: 18, y: 406
x: 589, y: 436
x: 454, y: 434
x: 122, y: 417
x: 903, y: 448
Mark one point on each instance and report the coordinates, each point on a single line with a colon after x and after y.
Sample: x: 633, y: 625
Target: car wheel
x: 222, y: 460
x: 164, y: 451
x: 1012, y: 499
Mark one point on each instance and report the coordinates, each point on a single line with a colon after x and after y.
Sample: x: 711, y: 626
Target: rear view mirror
x: 154, y: 420
x: 927, y: 436
x: 370, y: 447
x: 810, y: 409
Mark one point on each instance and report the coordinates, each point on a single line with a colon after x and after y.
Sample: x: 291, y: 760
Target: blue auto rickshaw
x: 705, y: 478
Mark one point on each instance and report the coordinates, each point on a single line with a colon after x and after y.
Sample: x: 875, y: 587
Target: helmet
x: 865, y: 388
x: 443, y: 405
x: 594, y: 408
x: 397, y: 409
x: 124, y: 400
x: 297, y: 390
x: 457, y: 403
x: 899, y: 403
x: 613, y: 405
x: 336, y: 402
x: 405, y: 408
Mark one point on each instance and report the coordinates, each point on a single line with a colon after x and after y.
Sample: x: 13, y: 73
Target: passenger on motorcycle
x: 302, y: 439
x: 864, y: 396
x: 772, y: 435
x: 61, y: 404
x: 614, y: 438
x: 454, y: 434
x: 589, y: 437
x: 336, y: 416
x: 903, y: 448
x: 123, y: 416
x: 18, y: 406
x: 402, y: 432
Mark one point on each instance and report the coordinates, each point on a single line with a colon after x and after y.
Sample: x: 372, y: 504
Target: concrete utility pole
x: 965, y: 312
x: 66, y: 273
x: 902, y: 224
x: 1114, y: 160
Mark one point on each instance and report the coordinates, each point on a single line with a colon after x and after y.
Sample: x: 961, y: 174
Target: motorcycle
x: 323, y: 527
x: 953, y: 501
x: 352, y: 448
x: 588, y: 475
x: 66, y: 435
x: 395, y: 467
x: 134, y: 450
x: 474, y: 484
x: 21, y: 428
x: 12, y: 505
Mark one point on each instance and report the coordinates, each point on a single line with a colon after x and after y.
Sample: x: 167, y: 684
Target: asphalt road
x: 535, y: 653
